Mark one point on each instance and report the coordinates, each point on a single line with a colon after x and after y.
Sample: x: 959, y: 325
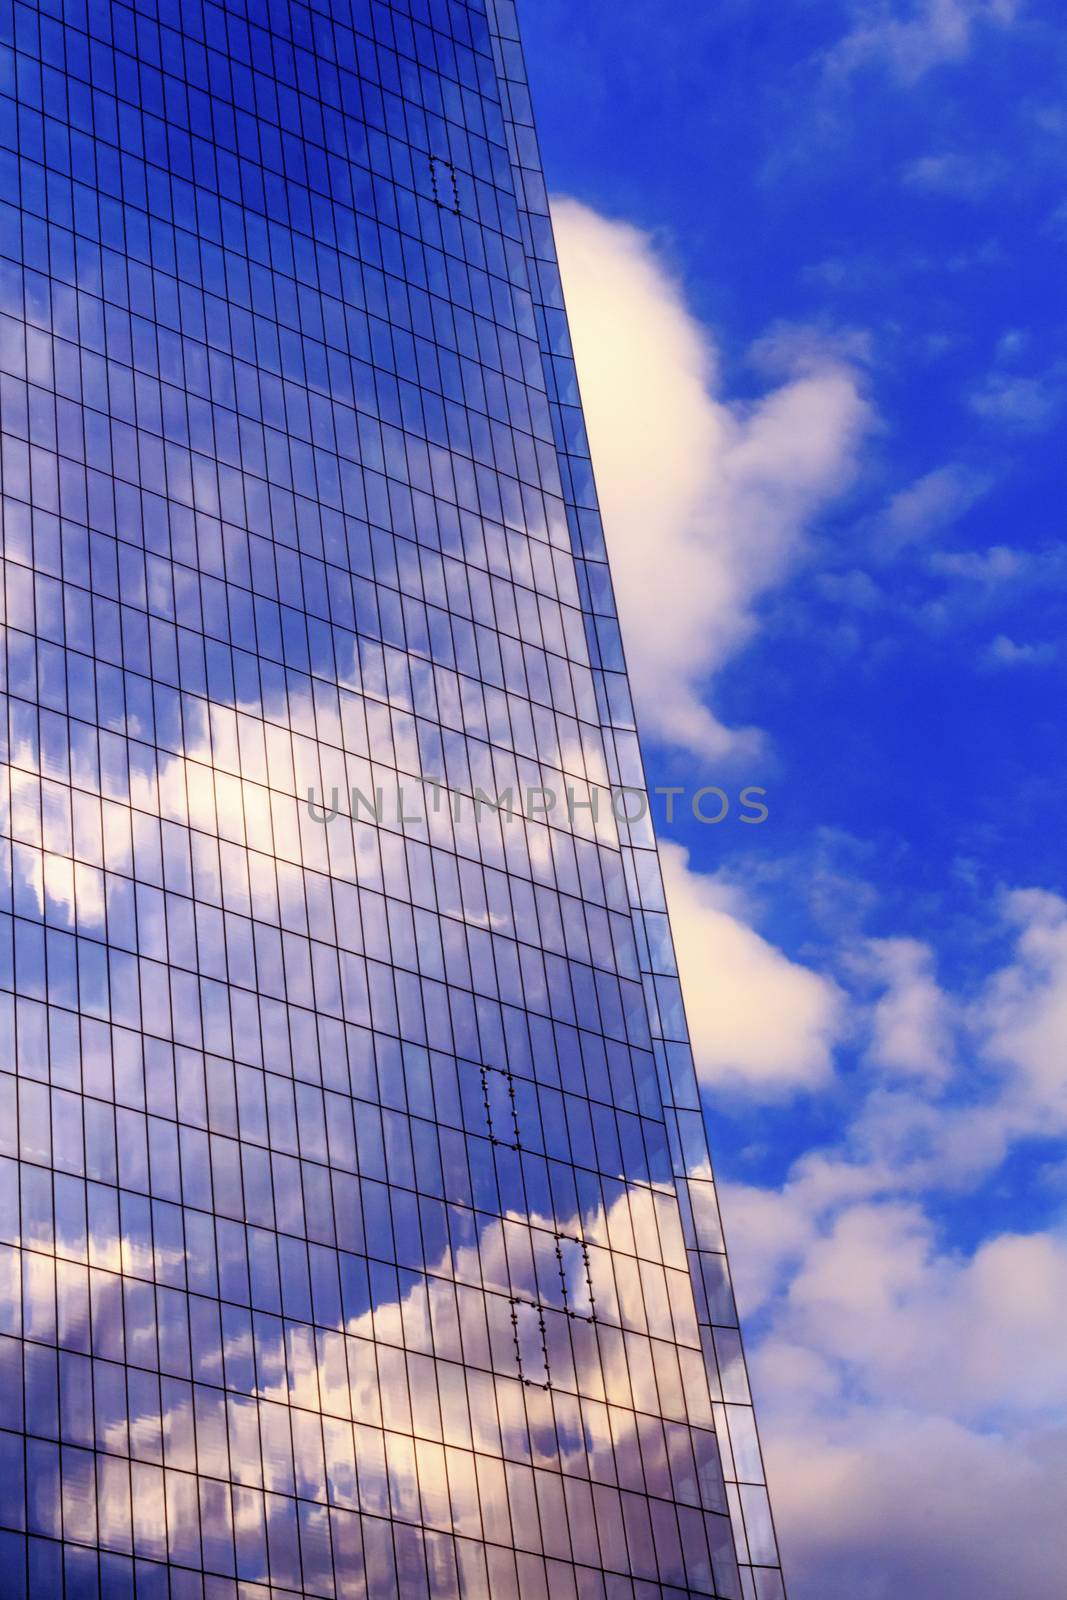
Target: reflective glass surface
x: 357, y: 1230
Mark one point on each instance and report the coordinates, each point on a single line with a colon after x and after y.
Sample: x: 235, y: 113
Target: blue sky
x: 842, y: 229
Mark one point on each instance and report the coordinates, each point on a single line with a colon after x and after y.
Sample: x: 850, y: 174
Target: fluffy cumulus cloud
x: 706, y: 503
x: 910, y: 1374
x: 878, y: 1497
x: 911, y: 1021
x: 915, y: 1394
x: 915, y: 1405
x: 1025, y: 1015
x: 760, y: 1024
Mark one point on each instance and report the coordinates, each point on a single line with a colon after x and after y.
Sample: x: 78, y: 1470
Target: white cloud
x: 969, y: 1076
x: 910, y: 39
x: 1020, y: 403
x: 930, y: 503
x: 911, y: 1023
x: 953, y: 172
x: 760, y: 1023
x: 911, y: 1392
x: 1024, y: 1014
x: 976, y: 1338
x: 997, y: 565
x: 854, y: 589
x: 919, y: 1505
x: 907, y: 1391
x: 1006, y: 652
x: 706, y: 503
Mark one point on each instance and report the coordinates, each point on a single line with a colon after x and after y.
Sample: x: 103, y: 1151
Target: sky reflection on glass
x: 358, y: 1229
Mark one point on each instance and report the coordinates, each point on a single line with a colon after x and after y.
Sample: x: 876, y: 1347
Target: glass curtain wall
x: 357, y: 1230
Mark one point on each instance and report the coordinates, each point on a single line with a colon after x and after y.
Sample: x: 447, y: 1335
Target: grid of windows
x: 357, y: 1232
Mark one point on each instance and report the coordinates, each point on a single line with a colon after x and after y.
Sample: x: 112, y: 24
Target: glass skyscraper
x: 357, y: 1231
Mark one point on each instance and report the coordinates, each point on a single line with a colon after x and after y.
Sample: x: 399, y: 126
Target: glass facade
x: 357, y: 1230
